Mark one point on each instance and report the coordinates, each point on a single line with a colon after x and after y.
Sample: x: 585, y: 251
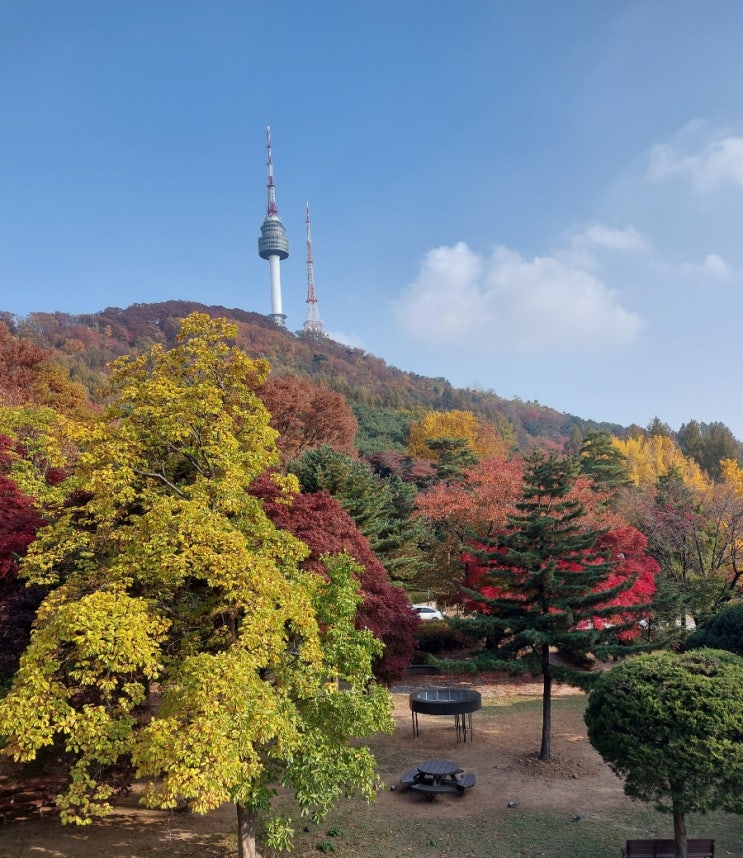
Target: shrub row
x: 436, y: 636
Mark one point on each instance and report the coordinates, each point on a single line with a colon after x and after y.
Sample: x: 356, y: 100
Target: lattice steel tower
x: 272, y: 244
x: 312, y: 324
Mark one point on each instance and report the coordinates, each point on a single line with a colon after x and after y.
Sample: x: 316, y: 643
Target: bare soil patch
x: 503, y: 755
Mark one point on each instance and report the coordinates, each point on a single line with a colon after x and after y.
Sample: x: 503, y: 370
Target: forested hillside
x: 85, y: 344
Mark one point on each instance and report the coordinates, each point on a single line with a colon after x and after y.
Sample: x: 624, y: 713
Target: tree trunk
x: 246, y: 832
x: 545, y: 750
x: 679, y: 833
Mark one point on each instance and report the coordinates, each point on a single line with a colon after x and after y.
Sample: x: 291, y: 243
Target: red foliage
x: 480, y: 502
x: 626, y: 546
x: 19, y: 521
x: 322, y: 524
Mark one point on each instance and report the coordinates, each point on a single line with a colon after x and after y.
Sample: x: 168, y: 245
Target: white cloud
x: 712, y: 266
x: 505, y: 302
x: 718, y: 163
x: 347, y: 339
x: 586, y: 244
x: 627, y: 239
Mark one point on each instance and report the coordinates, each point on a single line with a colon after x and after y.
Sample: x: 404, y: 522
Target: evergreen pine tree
x: 454, y: 457
x: 604, y: 463
x: 381, y: 508
x: 542, y: 585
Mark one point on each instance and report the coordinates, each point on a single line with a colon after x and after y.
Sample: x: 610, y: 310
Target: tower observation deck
x: 272, y: 243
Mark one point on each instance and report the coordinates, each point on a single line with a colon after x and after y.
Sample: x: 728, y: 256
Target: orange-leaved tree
x: 307, y: 415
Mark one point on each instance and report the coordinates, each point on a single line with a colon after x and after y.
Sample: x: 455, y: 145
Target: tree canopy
x: 602, y: 461
x: 696, y: 535
x: 545, y: 582
x: 307, y: 415
x: 20, y: 518
x: 326, y: 528
x: 709, y: 444
x: 381, y: 507
x: 473, y: 507
x: 722, y: 631
x: 671, y: 726
x: 167, y: 574
x: 482, y: 438
x: 650, y: 457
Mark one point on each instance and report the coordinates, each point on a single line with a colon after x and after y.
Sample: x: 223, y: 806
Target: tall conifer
x: 604, y: 463
x: 542, y: 585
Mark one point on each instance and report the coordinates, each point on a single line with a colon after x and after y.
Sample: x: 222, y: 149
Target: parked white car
x: 426, y: 612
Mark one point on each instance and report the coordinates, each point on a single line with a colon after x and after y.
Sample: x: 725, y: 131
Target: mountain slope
x: 85, y: 344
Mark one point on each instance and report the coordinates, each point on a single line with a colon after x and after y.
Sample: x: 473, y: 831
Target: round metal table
x: 459, y: 702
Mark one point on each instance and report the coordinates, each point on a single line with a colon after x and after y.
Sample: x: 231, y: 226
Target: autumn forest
x: 192, y: 493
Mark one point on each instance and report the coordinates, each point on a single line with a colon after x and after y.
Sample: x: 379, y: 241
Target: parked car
x: 426, y: 612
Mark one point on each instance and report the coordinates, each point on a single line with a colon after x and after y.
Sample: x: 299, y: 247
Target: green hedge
x: 435, y: 636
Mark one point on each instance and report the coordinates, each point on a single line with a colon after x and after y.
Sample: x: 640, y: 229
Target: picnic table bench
x: 437, y: 777
x: 696, y: 848
x: 431, y: 789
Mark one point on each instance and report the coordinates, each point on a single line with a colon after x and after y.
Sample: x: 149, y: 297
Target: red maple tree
x: 322, y: 524
x: 19, y: 520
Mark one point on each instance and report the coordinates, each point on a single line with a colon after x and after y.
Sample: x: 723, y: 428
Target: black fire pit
x: 459, y: 702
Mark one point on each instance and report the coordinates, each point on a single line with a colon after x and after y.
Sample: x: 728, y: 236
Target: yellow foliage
x: 167, y: 568
x: 482, y: 438
x: 732, y: 475
x: 649, y: 458
x: 43, y: 436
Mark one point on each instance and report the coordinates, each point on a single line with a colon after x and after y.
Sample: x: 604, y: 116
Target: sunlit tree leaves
x: 168, y: 577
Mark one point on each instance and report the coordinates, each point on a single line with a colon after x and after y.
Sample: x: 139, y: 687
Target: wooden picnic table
x: 438, y: 770
x: 434, y: 777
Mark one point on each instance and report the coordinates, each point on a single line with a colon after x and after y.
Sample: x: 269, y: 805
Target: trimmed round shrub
x: 723, y: 631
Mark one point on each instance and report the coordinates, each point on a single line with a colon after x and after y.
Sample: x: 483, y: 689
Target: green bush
x: 722, y: 631
x: 435, y: 636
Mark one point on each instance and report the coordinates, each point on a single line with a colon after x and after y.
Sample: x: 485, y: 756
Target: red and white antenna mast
x: 312, y: 324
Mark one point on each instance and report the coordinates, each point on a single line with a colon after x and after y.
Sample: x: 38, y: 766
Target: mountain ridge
x: 85, y: 343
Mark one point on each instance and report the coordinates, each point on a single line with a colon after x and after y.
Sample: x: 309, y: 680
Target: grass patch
x: 507, y: 834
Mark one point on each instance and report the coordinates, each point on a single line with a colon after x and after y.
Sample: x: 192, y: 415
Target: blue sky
x: 542, y: 199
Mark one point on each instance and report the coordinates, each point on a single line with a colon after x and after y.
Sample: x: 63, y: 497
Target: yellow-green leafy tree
x: 41, y: 453
x: 482, y: 438
x: 650, y: 457
x: 181, y: 639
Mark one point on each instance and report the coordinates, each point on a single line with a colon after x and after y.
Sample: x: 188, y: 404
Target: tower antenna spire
x: 272, y: 209
x: 312, y: 324
x: 272, y: 243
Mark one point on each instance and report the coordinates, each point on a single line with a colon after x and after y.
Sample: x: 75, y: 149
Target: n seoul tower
x: 272, y: 244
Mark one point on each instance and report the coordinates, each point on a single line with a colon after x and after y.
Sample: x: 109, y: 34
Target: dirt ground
x: 502, y: 754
